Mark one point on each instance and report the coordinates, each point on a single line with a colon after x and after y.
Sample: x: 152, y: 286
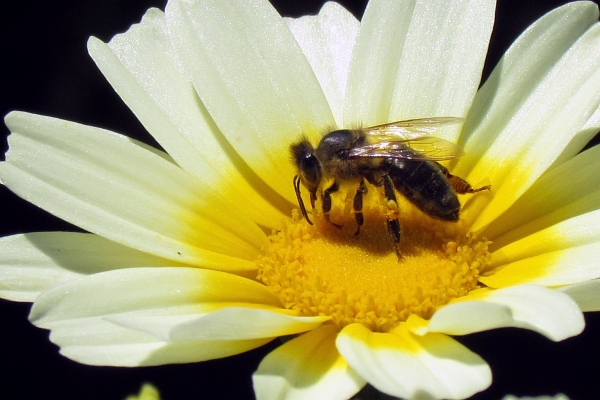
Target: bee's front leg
x: 327, y: 202
x: 300, y: 201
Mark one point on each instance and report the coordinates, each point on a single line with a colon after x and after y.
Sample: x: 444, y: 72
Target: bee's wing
x: 410, y: 129
x: 422, y: 148
x: 410, y: 139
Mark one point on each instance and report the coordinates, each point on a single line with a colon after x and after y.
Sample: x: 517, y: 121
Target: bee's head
x: 309, y: 167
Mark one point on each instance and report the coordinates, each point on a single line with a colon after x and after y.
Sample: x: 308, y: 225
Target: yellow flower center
x: 322, y: 269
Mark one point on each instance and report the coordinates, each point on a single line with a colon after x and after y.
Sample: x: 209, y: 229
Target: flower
x: 557, y: 397
x: 147, y: 392
x: 168, y: 275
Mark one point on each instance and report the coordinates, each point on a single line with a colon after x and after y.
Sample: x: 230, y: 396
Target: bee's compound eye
x: 308, y: 165
x: 310, y: 170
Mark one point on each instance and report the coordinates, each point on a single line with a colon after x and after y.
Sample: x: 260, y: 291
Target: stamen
x: 321, y: 269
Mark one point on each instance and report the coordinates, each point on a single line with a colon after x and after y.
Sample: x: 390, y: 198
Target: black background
x: 46, y: 70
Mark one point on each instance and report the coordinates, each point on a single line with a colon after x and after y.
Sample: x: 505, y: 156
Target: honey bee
x: 399, y: 156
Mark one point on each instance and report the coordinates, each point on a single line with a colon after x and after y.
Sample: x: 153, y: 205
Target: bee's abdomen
x: 424, y: 185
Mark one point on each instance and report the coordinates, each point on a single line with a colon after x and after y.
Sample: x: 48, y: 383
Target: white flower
x: 167, y: 275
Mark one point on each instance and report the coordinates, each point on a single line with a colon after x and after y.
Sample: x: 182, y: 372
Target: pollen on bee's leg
x: 322, y: 270
x: 392, y: 211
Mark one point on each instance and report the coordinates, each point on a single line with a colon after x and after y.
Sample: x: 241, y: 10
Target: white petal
x: 375, y: 62
x: 585, y: 294
x: 96, y: 341
x: 521, y: 70
x: 79, y: 313
x: 34, y: 262
x: 553, y: 268
x: 253, y: 79
x: 149, y: 291
x: 418, y: 59
x: 559, y: 396
x: 546, y: 311
x: 113, y: 186
x: 306, y: 367
x: 405, y: 365
x: 571, y: 189
x: 592, y: 126
x: 539, y: 97
x: 579, y: 231
x: 580, y: 139
x: 327, y: 41
x: 462, y: 318
x: 235, y: 323
x: 230, y: 323
x: 140, y: 67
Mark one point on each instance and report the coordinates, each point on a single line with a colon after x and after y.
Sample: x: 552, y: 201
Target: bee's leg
x: 327, y: 201
x: 300, y: 201
x: 393, y: 224
x: 459, y: 185
x: 358, y: 205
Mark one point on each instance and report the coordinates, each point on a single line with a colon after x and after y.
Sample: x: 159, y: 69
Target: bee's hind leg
x: 393, y: 224
x: 327, y: 202
x: 459, y: 185
x: 358, y: 205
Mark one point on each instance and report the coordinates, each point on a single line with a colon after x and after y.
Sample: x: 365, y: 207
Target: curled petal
x: 546, y: 311
x: 307, y: 367
x: 585, y: 294
x: 406, y: 365
x: 85, y: 315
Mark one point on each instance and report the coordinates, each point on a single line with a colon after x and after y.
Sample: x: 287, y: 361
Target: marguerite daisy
x: 196, y: 252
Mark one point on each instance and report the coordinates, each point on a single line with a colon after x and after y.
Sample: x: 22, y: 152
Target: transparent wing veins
x: 410, y: 139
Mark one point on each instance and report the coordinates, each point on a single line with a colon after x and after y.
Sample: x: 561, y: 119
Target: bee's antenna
x: 299, y: 197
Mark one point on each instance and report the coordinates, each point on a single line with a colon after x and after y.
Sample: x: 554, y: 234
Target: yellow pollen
x: 322, y: 269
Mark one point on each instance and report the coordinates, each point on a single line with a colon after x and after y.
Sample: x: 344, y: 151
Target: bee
x: 399, y: 156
